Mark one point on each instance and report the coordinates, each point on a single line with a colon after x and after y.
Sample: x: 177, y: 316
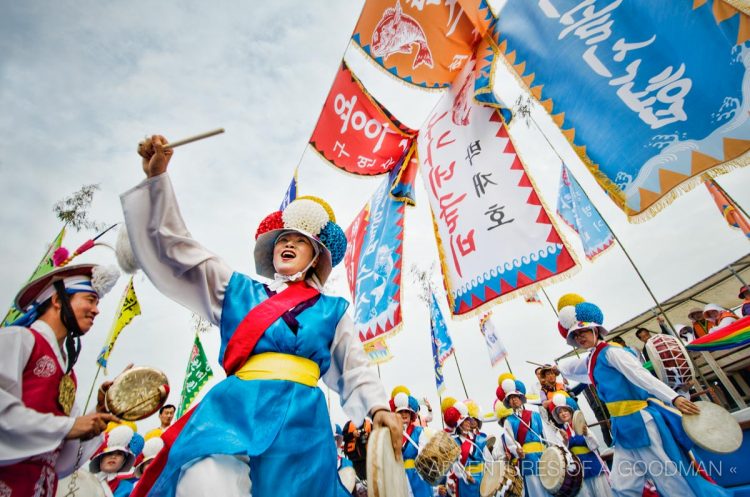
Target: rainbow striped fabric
x: 736, y: 334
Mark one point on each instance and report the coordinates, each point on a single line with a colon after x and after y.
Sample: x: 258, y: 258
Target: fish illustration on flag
x: 425, y: 43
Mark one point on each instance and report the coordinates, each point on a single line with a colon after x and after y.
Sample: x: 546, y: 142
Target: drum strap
x: 592, y: 361
x: 257, y: 321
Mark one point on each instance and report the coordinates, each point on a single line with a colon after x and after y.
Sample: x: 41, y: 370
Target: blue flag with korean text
x: 441, y: 340
x: 439, y: 378
x: 650, y: 93
x: 575, y: 208
x: 291, y: 192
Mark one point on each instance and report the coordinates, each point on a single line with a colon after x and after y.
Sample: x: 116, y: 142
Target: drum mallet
x: 187, y: 140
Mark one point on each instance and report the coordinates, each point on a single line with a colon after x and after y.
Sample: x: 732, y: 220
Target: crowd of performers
x: 279, y: 337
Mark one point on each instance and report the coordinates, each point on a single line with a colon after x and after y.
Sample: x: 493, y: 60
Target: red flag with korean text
x: 355, y: 133
x: 495, y: 237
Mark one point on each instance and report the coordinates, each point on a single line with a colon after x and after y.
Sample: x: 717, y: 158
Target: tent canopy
x: 720, y: 288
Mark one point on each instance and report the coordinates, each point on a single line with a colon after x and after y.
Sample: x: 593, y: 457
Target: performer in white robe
x: 43, y: 435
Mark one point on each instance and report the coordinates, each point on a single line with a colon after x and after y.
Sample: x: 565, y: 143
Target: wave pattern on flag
x: 732, y: 215
x: 45, y: 266
x: 494, y: 236
x: 355, y: 133
x: 423, y: 43
x: 666, y: 88
x: 128, y: 309
x: 577, y: 211
x: 373, y: 259
x: 495, y: 347
x: 196, y: 376
x: 441, y: 339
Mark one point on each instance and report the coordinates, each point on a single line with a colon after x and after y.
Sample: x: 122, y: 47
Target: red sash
x: 523, y: 428
x: 239, y: 348
x: 592, y: 362
x: 257, y: 321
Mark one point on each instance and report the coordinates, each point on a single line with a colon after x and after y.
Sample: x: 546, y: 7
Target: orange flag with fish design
x: 423, y: 43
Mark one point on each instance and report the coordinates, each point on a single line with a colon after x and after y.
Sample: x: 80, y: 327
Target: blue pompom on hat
x: 578, y: 316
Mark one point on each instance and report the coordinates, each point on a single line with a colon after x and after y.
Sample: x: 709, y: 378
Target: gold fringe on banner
x: 612, y: 190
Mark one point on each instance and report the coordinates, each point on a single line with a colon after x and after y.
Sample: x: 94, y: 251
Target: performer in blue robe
x: 414, y: 439
x: 267, y: 422
x: 648, y: 437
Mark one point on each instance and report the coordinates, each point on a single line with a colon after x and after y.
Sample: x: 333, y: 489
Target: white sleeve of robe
x: 186, y: 272
x: 25, y: 432
x: 575, y: 369
x: 181, y: 268
x: 351, y: 375
x: 510, y: 439
x: 629, y: 366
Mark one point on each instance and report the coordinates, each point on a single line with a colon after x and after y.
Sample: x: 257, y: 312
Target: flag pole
x: 93, y: 383
x: 455, y: 358
x: 614, y: 235
x: 729, y: 197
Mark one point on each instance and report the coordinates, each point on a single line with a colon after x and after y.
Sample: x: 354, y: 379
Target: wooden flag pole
x: 93, y: 383
x: 614, y: 235
x: 455, y: 358
x: 729, y: 197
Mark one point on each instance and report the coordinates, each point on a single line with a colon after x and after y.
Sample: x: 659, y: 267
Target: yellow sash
x: 531, y: 447
x: 276, y: 366
x: 625, y: 407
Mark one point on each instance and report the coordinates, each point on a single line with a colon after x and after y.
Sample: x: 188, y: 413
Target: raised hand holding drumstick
x: 155, y: 156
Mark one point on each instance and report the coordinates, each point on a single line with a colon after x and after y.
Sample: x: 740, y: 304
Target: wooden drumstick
x: 184, y: 141
x: 195, y: 138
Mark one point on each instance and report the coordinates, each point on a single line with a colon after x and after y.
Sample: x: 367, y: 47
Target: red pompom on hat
x: 271, y: 222
x: 452, y: 415
x: 500, y: 393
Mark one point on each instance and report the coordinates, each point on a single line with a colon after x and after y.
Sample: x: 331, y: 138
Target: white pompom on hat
x: 118, y: 440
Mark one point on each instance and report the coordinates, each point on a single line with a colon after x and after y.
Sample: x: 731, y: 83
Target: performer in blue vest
x: 524, y: 433
x: 595, y: 475
x: 413, y: 441
x: 267, y: 422
x: 468, y: 474
x: 646, y: 428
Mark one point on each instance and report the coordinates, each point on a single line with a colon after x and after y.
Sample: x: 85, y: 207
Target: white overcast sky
x: 82, y: 82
